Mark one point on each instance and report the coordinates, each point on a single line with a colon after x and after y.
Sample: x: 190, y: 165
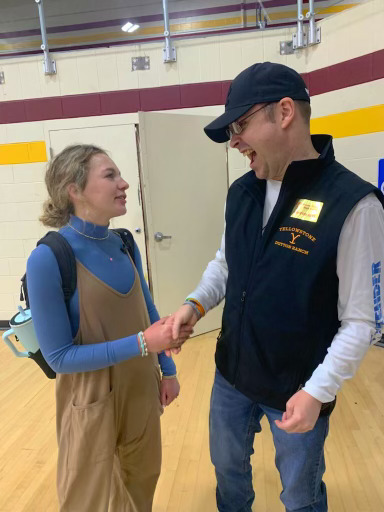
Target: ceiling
x: 76, y: 24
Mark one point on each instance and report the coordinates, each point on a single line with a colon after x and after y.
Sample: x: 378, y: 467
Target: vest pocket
x: 92, y: 432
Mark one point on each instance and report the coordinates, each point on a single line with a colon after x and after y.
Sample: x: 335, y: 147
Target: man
x: 300, y: 268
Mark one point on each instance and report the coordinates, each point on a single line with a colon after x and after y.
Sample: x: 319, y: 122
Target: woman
x: 106, y: 353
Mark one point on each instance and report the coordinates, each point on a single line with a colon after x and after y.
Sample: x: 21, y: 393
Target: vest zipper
x: 256, y: 257
x: 242, y: 300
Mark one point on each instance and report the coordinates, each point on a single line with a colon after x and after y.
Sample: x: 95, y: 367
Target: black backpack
x: 67, y: 265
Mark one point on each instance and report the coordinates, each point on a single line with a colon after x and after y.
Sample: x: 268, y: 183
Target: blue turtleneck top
x: 56, y: 330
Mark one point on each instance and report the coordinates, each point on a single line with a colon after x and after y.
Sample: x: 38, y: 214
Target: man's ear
x: 287, y: 111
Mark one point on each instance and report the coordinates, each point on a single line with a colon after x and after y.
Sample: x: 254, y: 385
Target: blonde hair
x: 70, y: 166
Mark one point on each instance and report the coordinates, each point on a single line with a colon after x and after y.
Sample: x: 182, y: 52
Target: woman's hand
x: 169, y: 390
x: 158, y: 336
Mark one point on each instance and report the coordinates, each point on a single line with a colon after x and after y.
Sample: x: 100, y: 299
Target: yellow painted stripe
x: 286, y: 15
x: 175, y: 28
x: 23, y: 153
x: 354, y: 122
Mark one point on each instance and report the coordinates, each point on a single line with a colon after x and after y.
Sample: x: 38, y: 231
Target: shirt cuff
x: 167, y: 365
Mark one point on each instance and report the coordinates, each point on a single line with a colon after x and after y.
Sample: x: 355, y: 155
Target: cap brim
x: 217, y: 130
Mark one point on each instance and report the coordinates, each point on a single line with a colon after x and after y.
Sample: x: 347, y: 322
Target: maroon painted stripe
x: 200, y: 95
x: 120, y: 102
x: 224, y: 91
x: 81, y: 105
x: 378, y: 65
x: 42, y: 109
x: 160, y: 98
x: 345, y: 74
x: 13, y: 111
x: 268, y: 4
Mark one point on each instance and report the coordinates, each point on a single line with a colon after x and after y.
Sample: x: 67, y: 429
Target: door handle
x: 159, y: 237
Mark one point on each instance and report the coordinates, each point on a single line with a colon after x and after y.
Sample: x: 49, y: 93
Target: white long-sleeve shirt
x: 360, y: 254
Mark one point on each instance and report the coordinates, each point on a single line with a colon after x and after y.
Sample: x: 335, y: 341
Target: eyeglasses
x: 237, y: 127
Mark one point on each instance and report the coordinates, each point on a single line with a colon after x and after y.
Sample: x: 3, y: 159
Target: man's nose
x: 234, y: 142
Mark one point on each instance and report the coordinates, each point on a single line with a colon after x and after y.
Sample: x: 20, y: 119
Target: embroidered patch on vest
x: 294, y: 239
x: 307, y: 210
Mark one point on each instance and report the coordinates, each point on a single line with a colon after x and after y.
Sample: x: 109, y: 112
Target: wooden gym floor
x: 354, y: 449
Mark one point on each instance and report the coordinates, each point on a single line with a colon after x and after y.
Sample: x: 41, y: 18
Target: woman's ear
x: 73, y: 192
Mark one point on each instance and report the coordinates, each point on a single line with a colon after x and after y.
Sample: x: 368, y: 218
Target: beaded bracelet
x: 143, y: 344
x: 194, y: 307
x: 199, y: 307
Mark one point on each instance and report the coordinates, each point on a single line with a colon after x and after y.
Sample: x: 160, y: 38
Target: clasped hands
x: 169, y: 333
x: 184, y: 318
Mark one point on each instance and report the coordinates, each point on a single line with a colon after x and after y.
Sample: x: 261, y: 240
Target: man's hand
x: 184, y: 316
x: 169, y: 390
x: 159, y: 336
x: 301, y: 414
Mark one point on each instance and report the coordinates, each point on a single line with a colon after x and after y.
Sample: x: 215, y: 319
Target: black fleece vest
x: 280, y: 313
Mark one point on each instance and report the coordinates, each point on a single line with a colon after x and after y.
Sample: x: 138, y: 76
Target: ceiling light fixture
x: 132, y: 29
x: 129, y: 27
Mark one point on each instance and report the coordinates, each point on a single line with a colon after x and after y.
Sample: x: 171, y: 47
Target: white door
x: 184, y: 189
x: 120, y: 142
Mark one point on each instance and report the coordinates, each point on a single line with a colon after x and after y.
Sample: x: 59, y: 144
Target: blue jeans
x: 234, y: 420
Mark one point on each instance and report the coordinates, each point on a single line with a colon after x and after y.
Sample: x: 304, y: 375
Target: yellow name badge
x: 307, y: 210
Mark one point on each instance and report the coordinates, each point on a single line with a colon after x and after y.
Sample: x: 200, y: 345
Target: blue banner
x: 381, y: 175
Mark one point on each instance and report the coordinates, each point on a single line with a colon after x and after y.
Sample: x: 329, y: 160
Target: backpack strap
x: 67, y: 265
x: 24, y: 291
x: 128, y: 241
x: 65, y: 259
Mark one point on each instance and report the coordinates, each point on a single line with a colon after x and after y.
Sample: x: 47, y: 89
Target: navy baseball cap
x: 260, y: 83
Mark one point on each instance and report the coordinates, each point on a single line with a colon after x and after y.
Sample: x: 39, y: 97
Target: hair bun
x: 53, y: 216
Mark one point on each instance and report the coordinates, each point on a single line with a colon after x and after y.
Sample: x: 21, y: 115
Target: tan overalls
x: 108, y: 420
